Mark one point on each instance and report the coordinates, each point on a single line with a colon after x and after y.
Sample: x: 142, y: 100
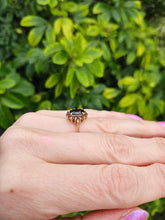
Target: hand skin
x: 47, y: 169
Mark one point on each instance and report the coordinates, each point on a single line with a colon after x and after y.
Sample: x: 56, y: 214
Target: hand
x: 46, y: 169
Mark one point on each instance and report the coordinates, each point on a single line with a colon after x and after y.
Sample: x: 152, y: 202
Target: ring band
x: 77, y: 116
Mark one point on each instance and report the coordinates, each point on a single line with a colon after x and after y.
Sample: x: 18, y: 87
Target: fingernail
x: 162, y: 123
x: 136, y: 117
x: 137, y: 215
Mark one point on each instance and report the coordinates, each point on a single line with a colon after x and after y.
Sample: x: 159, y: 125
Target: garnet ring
x: 77, y: 116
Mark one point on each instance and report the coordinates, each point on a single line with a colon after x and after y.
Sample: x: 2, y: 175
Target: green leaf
x: 35, y: 55
x: 128, y: 100
x: 14, y: 76
x: 6, y: 117
x: 91, y: 54
x: 105, y: 51
x: 58, y: 25
x: 45, y: 105
x: 129, y: 83
x: 69, y: 76
x: 67, y: 26
x: 60, y: 58
x: 32, y: 20
x: 11, y: 101
x: 97, y: 68
x: 82, y: 76
x: 58, y: 90
x: 132, y: 4
x: 131, y: 57
x: 161, y: 106
x: 93, y: 30
x: 67, y: 44
x: 36, y: 35
x: 80, y: 43
x: 141, y: 49
x: 99, y: 88
x: 36, y: 98
x: 23, y: 87
x: 113, y: 45
x: 74, y: 87
x: 120, y: 53
x: 42, y: 2
x: 89, y: 75
x: 4, y: 3
x: 7, y: 83
x: 2, y: 91
x: 100, y: 8
x: 115, y: 15
x: 50, y: 34
x: 52, y: 80
x: 111, y: 93
x: 70, y: 6
x: 126, y: 81
x: 53, y: 3
x: 52, y: 48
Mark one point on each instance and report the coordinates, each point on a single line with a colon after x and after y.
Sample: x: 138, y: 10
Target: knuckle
x: 16, y: 137
x: 117, y: 148
x: 42, y: 111
x: 24, y: 119
x: 160, y: 171
x: 114, y: 115
x: 107, y: 126
x: 9, y: 137
x: 160, y: 141
x: 160, y: 145
x: 121, y: 183
x: 142, y: 125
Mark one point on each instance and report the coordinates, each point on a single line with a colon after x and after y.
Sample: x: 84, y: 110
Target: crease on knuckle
x: 26, y: 118
x: 117, y: 148
x: 160, y: 141
x: 121, y: 183
x: 17, y: 137
x: 160, y: 145
x: 105, y: 125
x: 143, y: 125
x: 9, y: 137
x: 160, y: 171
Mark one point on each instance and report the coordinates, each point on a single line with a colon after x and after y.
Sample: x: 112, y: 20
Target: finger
x: 121, y: 214
x: 87, y: 148
x: 91, y: 113
x: 100, y: 125
x: 96, y: 187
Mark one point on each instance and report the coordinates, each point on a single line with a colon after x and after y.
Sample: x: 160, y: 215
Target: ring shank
x: 78, y: 125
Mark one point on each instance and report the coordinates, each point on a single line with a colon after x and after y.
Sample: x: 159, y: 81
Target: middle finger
x: 91, y: 148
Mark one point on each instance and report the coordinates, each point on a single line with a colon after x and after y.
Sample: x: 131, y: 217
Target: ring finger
x: 89, y: 148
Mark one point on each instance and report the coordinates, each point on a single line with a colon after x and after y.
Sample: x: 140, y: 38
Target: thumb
x: 120, y: 214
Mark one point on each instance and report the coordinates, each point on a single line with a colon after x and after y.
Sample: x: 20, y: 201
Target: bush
x: 59, y: 54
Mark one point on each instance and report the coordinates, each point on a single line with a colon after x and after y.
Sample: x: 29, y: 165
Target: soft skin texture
x: 47, y: 169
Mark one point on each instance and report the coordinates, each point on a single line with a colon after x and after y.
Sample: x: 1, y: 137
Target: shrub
x: 59, y: 54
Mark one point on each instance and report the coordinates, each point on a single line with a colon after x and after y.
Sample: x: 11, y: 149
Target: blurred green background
x: 60, y: 54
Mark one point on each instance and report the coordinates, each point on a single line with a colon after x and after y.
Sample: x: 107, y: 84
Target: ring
x: 76, y: 116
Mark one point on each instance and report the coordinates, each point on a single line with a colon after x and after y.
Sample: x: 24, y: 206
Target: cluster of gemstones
x: 76, y: 115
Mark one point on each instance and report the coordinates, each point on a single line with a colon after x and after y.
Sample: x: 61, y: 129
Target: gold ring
x: 76, y: 116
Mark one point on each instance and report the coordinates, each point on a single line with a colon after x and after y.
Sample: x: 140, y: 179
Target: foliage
x: 14, y: 93
x: 154, y: 8
x: 59, y: 54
